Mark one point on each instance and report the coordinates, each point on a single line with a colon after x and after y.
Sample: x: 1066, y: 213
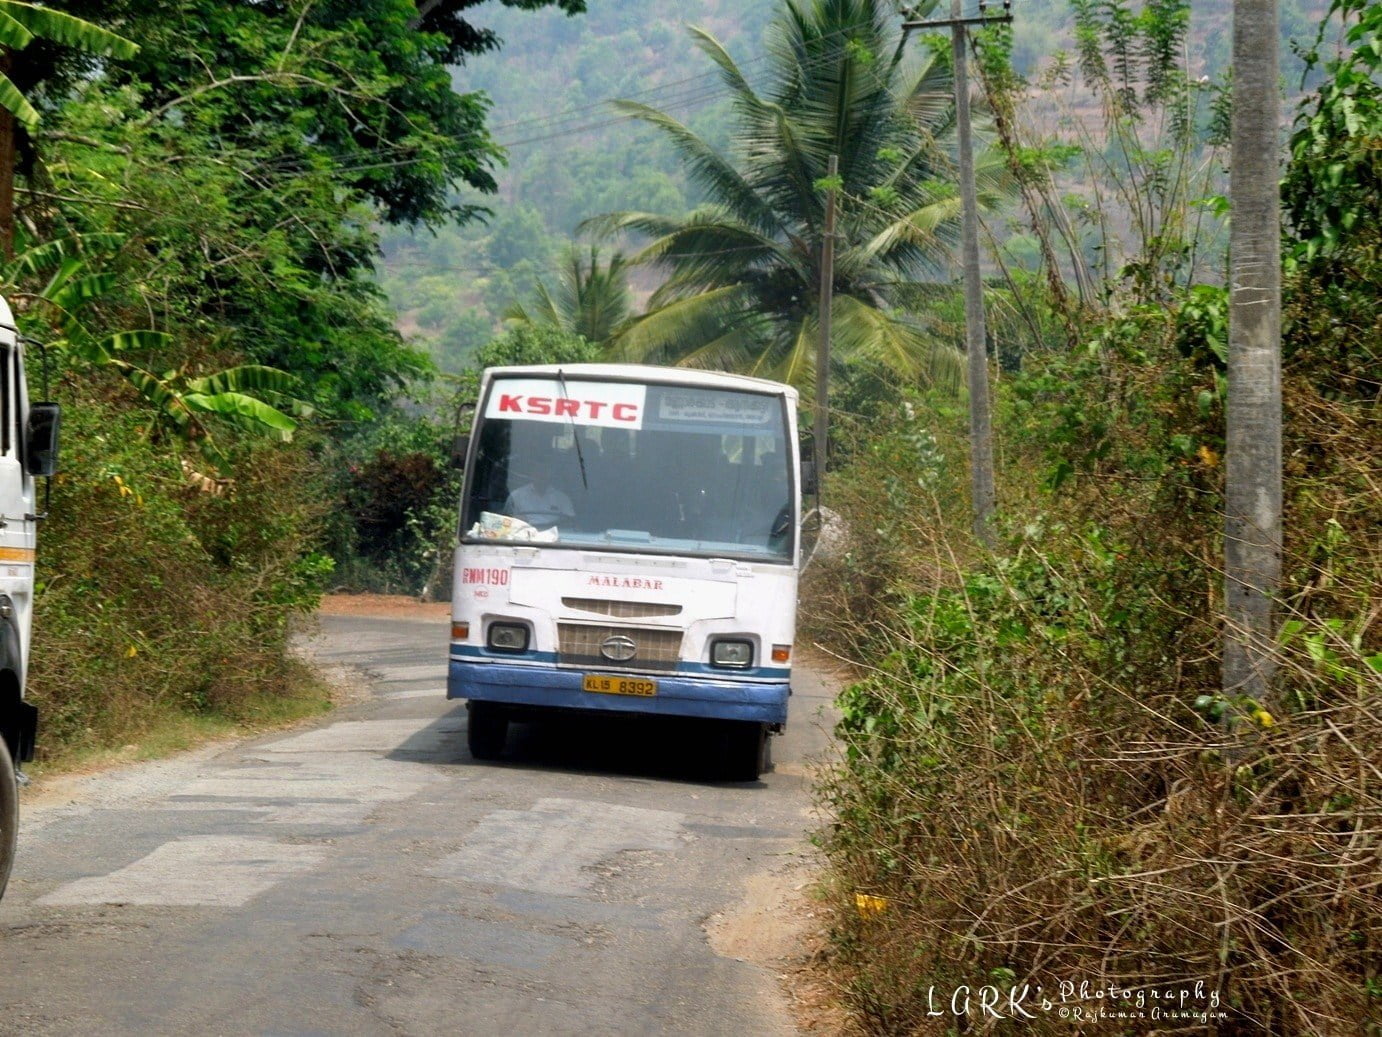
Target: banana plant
x: 186, y: 404
x: 21, y: 23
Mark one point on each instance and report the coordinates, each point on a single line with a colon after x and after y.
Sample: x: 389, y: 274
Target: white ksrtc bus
x: 629, y: 542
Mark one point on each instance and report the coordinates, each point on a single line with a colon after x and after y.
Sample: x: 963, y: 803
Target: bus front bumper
x: 677, y: 695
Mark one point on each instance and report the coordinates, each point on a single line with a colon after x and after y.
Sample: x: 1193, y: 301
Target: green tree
x: 20, y: 25
x: 249, y: 152
x: 591, y: 300
x: 517, y: 234
x: 185, y: 403
x: 744, y: 268
x: 536, y: 345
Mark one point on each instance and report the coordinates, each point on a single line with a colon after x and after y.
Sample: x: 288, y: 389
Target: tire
x: 9, y: 814
x: 746, y: 751
x: 486, y: 731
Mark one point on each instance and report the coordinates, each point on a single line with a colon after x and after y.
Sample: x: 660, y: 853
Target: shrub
x: 1036, y: 776
x: 161, y: 590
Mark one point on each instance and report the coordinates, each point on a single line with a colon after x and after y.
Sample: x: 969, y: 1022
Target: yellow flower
x: 867, y: 904
x: 1209, y: 457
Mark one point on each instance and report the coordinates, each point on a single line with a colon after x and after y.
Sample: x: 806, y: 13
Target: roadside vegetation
x: 1038, y: 778
x: 1037, y: 782
x: 199, y: 190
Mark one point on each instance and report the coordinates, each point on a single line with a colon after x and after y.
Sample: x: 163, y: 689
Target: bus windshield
x: 623, y: 465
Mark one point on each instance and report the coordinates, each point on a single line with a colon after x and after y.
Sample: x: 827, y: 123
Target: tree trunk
x: 7, y: 161
x: 1252, y: 541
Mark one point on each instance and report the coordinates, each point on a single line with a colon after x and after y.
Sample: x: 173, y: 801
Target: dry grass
x: 1026, y: 782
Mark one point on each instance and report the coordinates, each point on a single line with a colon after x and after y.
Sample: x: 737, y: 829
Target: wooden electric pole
x: 820, y: 431
x: 977, y: 374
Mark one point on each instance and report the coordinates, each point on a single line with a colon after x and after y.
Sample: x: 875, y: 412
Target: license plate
x: 608, y: 685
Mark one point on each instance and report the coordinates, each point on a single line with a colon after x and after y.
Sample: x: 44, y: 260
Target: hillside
x: 571, y: 156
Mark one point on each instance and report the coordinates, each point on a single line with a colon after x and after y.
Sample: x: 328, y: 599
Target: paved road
x: 366, y: 876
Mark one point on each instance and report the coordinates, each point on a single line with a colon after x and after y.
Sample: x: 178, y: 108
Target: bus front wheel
x: 486, y: 730
x: 746, y: 756
x: 9, y: 814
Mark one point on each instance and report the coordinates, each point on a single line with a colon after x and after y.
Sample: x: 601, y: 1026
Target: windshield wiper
x: 575, y: 432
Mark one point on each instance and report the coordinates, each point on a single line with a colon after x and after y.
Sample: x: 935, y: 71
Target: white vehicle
x: 629, y: 543
x: 28, y: 448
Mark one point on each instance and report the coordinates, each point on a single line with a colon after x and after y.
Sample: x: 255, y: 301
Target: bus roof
x: 651, y: 374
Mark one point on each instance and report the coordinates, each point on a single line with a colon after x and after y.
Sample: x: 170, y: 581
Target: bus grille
x: 579, y: 645
x: 621, y: 609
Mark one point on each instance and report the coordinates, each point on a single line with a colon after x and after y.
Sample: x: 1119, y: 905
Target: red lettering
x: 539, y: 405
x: 595, y: 407
x: 625, y: 412
x: 498, y: 577
x: 567, y: 408
x: 509, y: 403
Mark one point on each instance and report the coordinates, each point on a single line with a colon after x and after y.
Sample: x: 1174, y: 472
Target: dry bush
x: 155, y: 597
x: 1038, y: 775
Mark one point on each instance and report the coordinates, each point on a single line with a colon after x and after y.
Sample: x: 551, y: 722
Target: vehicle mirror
x: 460, y: 447
x: 41, y: 439
x: 808, y: 477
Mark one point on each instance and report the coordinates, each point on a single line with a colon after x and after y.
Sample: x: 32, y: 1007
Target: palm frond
x: 735, y: 350
x: 918, y: 231
x: 681, y: 326
x: 742, y: 271
x: 729, y: 70
x: 708, y: 168
x: 798, y: 367
x: 866, y: 332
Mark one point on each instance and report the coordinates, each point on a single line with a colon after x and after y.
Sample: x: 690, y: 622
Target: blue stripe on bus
x: 676, y: 696
x: 772, y: 673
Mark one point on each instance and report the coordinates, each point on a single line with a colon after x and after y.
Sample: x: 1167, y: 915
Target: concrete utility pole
x: 1252, y: 458
x: 820, y: 431
x: 977, y: 374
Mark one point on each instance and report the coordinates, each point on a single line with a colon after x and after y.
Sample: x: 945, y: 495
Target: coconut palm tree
x: 743, y: 269
x: 591, y: 300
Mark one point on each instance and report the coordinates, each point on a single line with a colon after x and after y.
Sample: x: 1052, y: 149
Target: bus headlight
x: 507, y: 637
x: 736, y: 655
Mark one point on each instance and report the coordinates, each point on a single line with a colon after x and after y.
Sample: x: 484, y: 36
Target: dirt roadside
x: 384, y: 606
x: 780, y: 926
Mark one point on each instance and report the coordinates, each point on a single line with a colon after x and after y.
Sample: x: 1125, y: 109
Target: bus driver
x: 539, y: 503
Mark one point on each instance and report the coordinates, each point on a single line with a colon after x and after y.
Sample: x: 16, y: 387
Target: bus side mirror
x: 808, y: 477
x: 460, y: 447
x: 41, y: 439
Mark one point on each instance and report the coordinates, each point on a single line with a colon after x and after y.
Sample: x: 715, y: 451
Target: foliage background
x: 1038, y: 775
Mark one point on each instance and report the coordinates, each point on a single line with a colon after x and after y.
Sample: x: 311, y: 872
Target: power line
x: 635, y: 95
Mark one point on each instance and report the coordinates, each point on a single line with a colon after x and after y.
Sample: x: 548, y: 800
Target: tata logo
x: 566, y: 407
x: 619, y: 649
